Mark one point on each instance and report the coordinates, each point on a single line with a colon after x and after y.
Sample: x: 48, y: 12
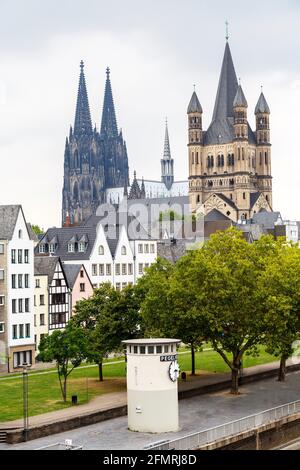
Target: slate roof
x: 171, y: 251
x: 221, y: 130
x: 215, y: 215
x: 262, y: 105
x: 194, y: 105
x: 266, y: 219
x: 8, y: 220
x: 240, y: 99
x: 254, y: 198
x: 45, y: 266
x: 71, y: 272
x: 227, y: 200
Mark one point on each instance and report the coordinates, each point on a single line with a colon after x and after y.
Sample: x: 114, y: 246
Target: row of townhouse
x: 41, y: 281
x: 110, y: 253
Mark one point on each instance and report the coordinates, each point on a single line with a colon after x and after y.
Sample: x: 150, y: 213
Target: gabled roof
x: 72, y: 271
x: 8, y: 220
x: 254, y: 198
x: 227, y: 200
x: 194, y: 105
x: 215, y: 215
x: 262, y: 106
x: 45, y: 266
x: 266, y: 219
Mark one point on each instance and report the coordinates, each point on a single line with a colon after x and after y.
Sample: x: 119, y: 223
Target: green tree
x: 68, y: 348
x: 108, y: 317
x: 37, y: 230
x: 281, y: 284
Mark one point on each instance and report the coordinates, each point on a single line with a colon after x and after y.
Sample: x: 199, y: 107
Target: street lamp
x: 25, y: 398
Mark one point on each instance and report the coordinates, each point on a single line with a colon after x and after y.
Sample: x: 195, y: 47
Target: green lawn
x: 44, y: 391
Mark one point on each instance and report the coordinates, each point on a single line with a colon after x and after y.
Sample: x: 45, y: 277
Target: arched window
x: 244, y: 195
x: 243, y: 154
x: 193, y: 158
x: 239, y: 153
x: 198, y: 198
x: 20, y: 233
x: 101, y: 250
x: 123, y: 250
x: 222, y: 160
x: 197, y: 158
x: 266, y: 158
x: 260, y: 158
x: 219, y: 160
x: 212, y: 161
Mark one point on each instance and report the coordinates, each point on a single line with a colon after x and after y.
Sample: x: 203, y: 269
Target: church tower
x: 83, y: 188
x: 229, y: 164
x: 167, y: 162
x: 116, y: 160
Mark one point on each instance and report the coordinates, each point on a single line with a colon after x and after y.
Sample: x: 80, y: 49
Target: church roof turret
x: 83, y: 122
x: 262, y: 106
x: 194, y: 105
x: 240, y: 100
x: 109, y: 122
x: 167, y: 150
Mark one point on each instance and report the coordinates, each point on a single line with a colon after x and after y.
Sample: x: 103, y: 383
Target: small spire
x: 81, y: 65
x: 227, y: 30
x: 167, y: 151
x: 194, y: 87
x: 107, y: 72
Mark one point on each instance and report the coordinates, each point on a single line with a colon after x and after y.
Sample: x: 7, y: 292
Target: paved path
x: 111, y: 400
x: 197, y: 413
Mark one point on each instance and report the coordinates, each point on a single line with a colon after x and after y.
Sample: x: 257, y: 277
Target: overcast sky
x: 156, y: 51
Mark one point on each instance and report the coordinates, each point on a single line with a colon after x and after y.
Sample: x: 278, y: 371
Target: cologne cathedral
x: 94, y: 161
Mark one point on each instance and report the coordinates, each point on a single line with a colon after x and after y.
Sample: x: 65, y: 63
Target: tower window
x: 197, y: 158
x: 244, y: 195
x: 266, y: 158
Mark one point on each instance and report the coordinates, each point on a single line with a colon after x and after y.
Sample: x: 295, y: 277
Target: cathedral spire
x: 109, y: 122
x: 227, y: 88
x: 83, y: 122
x: 167, y: 151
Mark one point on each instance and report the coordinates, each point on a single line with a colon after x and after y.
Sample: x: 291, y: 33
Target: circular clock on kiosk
x: 174, y: 371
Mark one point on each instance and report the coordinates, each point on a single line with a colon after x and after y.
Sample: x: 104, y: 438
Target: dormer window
x: 101, y: 250
x: 123, y: 250
x: 81, y: 247
x: 42, y: 248
x: 71, y: 247
x: 51, y: 248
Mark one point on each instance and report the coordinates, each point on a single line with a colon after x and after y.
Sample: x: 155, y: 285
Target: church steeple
x: 83, y: 122
x: 109, y: 127
x: 167, y: 162
x: 240, y: 106
x: 227, y: 88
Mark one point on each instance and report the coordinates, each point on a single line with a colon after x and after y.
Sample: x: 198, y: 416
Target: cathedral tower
x: 83, y: 188
x: 229, y: 164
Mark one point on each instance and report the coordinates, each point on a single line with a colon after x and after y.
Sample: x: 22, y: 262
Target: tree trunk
x: 100, y: 371
x: 64, y: 390
x: 234, y: 380
x: 282, y: 369
x: 193, y: 360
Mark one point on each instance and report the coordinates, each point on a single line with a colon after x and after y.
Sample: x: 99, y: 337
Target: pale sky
x: 156, y: 51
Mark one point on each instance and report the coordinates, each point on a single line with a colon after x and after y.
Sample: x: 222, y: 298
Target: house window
x: 82, y: 273
x: 142, y: 349
x: 2, y: 327
x: 42, y: 248
x: 42, y: 300
x: 130, y: 269
x: 2, y: 300
x: 21, y: 331
x: 20, y: 304
x: 140, y: 268
x: 108, y: 270
x: 71, y: 247
x: 27, y: 330
x: 124, y: 269
x: 51, y: 248
x: 82, y: 287
x: 146, y: 248
x: 1, y: 274
x: 140, y: 248
x: 15, y: 331
x: 20, y: 281
x: 1, y: 249
x: 26, y: 256
x: 150, y: 349
x: 14, y: 306
x: 37, y: 283
x: 101, y: 269
x: 124, y: 284
x: 42, y: 319
x: 94, y: 270
x: 123, y: 250
x: 101, y: 250
x: 152, y: 248
x: 57, y: 282
x: 146, y: 265
x: 81, y: 247
x: 158, y: 349
x: 117, y: 270
x: 20, y: 256
x: 34, y: 320
x: 13, y: 256
x: 26, y: 281
x: 26, y: 305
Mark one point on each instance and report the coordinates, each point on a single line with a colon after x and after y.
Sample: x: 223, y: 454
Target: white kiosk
x: 152, y: 394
